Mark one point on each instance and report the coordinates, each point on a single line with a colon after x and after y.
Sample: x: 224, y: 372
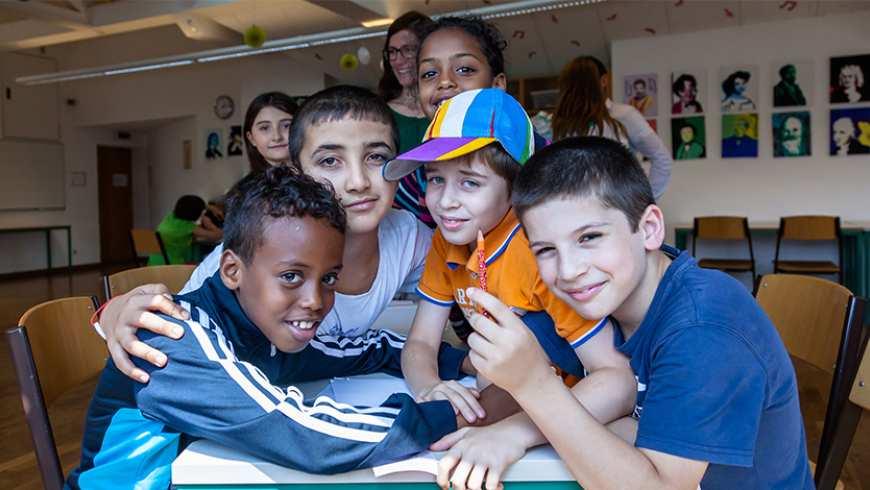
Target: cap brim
x: 436, y: 149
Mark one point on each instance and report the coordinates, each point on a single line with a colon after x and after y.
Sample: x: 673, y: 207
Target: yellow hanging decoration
x: 348, y: 61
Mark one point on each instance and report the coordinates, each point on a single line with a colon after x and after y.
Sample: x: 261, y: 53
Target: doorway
x: 114, y: 173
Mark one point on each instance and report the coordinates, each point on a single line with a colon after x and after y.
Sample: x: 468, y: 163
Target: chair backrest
x: 721, y: 228
x: 860, y: 394
x: 809, y: 228
x: 173, y: 276
x: 54, y: 349
x: 146, y: 242
x: 809, y: 314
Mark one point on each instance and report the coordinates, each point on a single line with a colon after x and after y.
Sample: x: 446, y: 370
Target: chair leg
x: 828, y: 471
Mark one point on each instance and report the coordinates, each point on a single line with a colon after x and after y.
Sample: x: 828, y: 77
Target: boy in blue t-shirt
x: 229, y: 376
x: 717, y: 401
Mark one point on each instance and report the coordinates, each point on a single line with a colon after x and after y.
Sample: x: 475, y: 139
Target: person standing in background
x: 584, y: 110
x: 398, y: 87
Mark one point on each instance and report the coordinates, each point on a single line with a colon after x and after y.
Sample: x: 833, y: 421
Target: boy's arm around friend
x: 206, y: 392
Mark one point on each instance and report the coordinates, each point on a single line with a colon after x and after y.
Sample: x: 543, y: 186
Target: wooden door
x: 116, y: 204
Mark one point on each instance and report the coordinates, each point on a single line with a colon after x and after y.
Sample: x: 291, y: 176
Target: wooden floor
x: 18, y: 466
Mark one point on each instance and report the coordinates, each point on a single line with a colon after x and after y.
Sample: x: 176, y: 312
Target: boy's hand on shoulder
x: 127, y: 313
x: 477, y: 458
x: 503, y: 349
x: 464, y: 400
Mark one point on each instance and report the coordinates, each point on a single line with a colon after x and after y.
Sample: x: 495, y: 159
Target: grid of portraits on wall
x: 790, y: 86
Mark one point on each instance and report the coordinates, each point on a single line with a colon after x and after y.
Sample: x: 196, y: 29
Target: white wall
x: 178, y: 103
x: 762, y: 188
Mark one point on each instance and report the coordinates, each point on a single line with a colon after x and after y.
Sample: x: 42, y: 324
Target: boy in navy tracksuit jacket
x: 249, y: 337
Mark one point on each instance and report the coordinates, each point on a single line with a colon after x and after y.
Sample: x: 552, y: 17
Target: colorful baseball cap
x: 466, y: 123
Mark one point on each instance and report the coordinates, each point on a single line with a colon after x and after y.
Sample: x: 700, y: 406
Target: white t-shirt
x: 403, y: 243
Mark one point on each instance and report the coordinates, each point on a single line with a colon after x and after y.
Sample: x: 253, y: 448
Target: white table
x: 205, y: 465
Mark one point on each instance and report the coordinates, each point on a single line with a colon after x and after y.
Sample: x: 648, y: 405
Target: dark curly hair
x: 279, y: 101
x: 277, y: 192
x: 728, y: 83
x: 491, y: 42
x: 417, y: 23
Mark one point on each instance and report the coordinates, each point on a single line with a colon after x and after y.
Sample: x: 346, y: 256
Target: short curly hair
x: 277, y: 192
x: 488, y: 37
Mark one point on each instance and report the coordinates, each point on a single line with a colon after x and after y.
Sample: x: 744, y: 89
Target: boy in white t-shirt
x: 343, y: 135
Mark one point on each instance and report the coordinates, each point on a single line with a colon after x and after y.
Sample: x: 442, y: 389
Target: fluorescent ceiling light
x: 155, y: 66
x: 510, y: 9
x: 377, y: 22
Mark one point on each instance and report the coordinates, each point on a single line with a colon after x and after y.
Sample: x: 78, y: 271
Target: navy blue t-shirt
x: 715, y: 382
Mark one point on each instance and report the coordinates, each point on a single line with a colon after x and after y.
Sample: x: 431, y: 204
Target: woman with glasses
x: 398, y: 87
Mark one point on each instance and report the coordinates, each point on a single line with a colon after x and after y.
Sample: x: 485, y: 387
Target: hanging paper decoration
x: 729, y: 13
x: 575, y: 42
x: 611, y: 18
x: 254, y: 36
x: 679, y: 3
x: 519, y: 34
x: 788, y: 5
x: 319, y: 58
x: 554, y: 18
x: 650, y: 30
x: 348, y: 61
x: 363, y: 55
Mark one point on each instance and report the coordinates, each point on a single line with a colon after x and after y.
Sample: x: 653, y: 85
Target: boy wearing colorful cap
x: 473, y: 150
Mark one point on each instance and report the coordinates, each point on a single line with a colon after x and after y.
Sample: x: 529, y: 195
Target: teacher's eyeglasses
x: 408, y: 51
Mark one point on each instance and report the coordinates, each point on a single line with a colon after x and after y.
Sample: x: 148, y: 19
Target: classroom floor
x: 18, y: 465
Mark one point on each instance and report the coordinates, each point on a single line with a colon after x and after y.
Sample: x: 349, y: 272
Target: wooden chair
x: 54, y: 349
x: 146, y: 242
x: 733, y: 228
x: 173, y: 276
x: 809, y: 228
x: 847, y: 423
x: 821, y: 323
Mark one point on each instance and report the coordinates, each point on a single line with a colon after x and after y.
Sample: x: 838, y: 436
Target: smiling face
x: 350, y: 154
x: 269, y: 135
x: 589, y: 256
x: 288, y: 286
x: 451, y: 62
x: 465, y: 197
x: 404, y: 67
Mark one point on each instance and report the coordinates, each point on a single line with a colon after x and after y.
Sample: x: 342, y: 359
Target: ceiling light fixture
x: 377, y: 22
x: 522, y: 7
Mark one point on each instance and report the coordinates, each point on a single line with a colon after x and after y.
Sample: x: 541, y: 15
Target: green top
x: 177, y: 236
x: 411, y: 130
